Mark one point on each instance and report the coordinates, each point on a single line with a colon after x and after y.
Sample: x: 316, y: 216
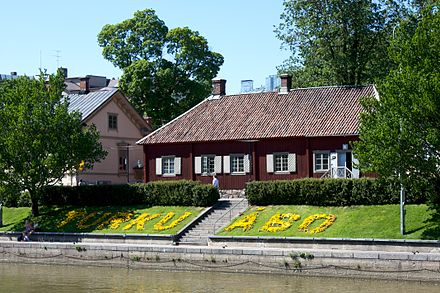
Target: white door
x: 342, y: 164
x: 338, y: 165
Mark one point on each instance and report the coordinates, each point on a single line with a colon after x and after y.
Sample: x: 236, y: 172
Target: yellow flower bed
x: 246, y: 223
x: 103, y: 220
x: 69, y: 217
x: 280, y: 222
x: 329, y: 220
x: 140, y: 221
x: 118, y: 219
x: 159, y: 226
x: 82, y: 223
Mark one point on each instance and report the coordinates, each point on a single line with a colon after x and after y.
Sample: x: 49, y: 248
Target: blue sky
x: 240, y: 30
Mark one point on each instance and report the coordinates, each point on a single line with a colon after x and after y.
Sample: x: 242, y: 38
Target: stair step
x: 221, y: 215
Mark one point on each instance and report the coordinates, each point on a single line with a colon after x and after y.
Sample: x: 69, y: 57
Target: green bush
x: 12, y: 197
x: 327, y: 192
x: 165, y: 193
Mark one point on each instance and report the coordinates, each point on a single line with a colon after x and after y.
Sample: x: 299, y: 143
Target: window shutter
x: 218, y: 164
x: 198, y: 165
x: 247, y: 163
x: 269, y: 163
x: 291, y: 161
x: 177, y: 165
x: 226, y: 164
x: 158, y: 166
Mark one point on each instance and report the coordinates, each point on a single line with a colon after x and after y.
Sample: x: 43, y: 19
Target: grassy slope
x: 352, y: 222
x: 13, y: 219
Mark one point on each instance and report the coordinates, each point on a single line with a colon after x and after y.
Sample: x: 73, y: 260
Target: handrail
x: 230, y: 213
x: 341, y: 172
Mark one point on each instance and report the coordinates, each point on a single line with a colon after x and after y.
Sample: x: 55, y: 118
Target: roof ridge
x: 332, y: 86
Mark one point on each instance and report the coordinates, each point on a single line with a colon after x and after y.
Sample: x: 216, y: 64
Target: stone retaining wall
x: 293, y: 260
x: 150, y: 239
x: 232, y: 193
x: 413, y: 246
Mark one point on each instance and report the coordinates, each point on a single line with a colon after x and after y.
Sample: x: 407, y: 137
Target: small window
x: 208, y: 164
x: 281, y: 162
x: 113, y: 121
x: 237, y: 163
x: 321, y: 161
x: 168, y: 166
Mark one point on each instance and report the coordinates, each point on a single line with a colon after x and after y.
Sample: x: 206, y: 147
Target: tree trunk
x: 34, y: 201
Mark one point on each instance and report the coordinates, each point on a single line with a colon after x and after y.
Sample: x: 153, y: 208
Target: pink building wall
x: 129, y: 131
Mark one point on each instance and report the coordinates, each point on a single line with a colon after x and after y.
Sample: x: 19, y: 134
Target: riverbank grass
x: 382, y: 222
x: 110, y: 220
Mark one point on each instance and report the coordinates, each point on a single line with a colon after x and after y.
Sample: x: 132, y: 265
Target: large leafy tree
x: 39, y: 139
x: 337, y: 42
x: 400, y: 130
x: 165, y: 72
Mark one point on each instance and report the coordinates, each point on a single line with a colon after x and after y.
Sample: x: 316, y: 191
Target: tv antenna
x: 57, y: 56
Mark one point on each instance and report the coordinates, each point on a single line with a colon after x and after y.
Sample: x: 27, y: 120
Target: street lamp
x: 1, y: 213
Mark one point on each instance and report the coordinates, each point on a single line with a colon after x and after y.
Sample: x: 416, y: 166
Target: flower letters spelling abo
x: 103, y: 220
x: 281, y: 222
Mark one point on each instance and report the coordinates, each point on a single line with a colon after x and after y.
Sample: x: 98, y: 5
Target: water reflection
x: 41, y: 278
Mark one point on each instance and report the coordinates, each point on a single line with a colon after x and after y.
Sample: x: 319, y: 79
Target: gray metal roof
x: 86, y: 104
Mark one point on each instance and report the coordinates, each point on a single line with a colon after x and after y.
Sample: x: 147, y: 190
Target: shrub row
x: 327, y: 192
x: 165, y: 193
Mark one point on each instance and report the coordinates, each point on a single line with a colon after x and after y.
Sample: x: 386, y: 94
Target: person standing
x: 215, y: 182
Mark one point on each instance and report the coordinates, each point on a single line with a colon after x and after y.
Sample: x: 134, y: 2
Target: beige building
x: 120, y: 127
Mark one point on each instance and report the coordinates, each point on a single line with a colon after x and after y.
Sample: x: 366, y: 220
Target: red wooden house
x: 259, y: 136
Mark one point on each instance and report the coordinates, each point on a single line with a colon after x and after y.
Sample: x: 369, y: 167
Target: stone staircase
x: 222, y: 213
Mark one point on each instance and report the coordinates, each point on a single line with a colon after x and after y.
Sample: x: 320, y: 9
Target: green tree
x: 165, y: 72
x: 39, y: 139
x: 400, y: 130
x: 337, y: 42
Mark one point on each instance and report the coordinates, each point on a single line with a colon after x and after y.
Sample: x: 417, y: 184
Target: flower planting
x: 246, y: 223
x: 121, y: 221
x: 140, y: 221
x: 279, y: 222
x: 160, y: 226
x: 329, y: 220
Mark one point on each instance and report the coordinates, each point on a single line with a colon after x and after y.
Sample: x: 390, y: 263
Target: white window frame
x: 315, y: 157
x: 239, y: 157
x: 198, y: 165
x: 161, y: 168
x: 277, y: 155
x: 166, y: 170
x: 271, y: 163
x: 203, y: 161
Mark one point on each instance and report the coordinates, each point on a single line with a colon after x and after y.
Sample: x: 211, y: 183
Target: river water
x: 45, y: 278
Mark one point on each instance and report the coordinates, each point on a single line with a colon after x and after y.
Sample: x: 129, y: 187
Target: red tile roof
x: 321, y: 111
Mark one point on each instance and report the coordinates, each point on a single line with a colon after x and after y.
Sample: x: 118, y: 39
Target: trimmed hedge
x: 159, y: 193
x: 327, y: 192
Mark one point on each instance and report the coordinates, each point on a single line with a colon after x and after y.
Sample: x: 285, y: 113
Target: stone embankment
x: 415, y: 263
x: 195, y: 248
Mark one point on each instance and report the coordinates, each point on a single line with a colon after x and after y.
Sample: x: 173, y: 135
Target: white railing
x: 339, y: 172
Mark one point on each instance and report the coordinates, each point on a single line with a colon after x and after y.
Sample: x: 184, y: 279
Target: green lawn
x: 98, y: 220
x: 351, y: 222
